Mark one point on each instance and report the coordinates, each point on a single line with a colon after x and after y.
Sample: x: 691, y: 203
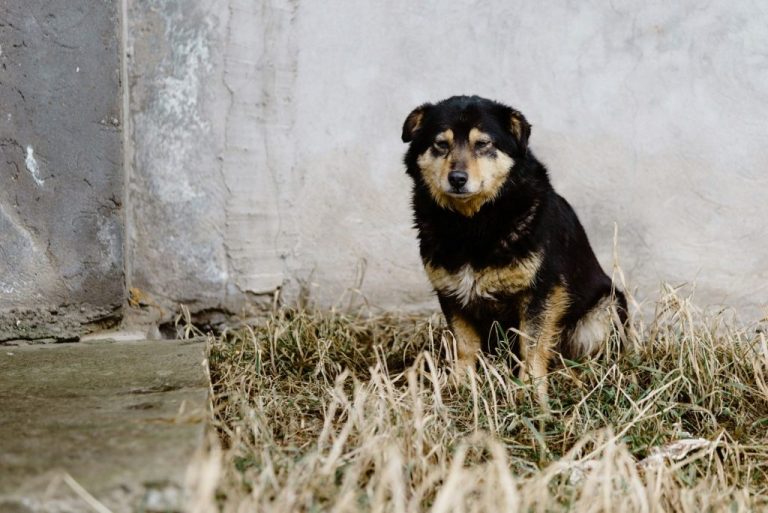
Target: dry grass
x: 328, y: 412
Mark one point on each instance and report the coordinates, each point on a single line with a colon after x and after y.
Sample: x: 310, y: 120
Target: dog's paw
x: 461, y: 372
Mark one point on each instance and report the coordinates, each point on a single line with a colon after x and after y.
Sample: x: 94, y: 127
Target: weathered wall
x: 263, y: 145
x: 267, y: 138
x: 176, y: 195
x: 61, y: 245
x: 206, y: 111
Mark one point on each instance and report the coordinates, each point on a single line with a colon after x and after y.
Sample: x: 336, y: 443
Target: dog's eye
x: 441, y: 145
x: 482, y: 144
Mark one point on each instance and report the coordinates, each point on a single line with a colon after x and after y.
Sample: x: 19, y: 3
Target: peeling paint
x: 176, y: 119
x: 32, y: 166
x: 109, y: 238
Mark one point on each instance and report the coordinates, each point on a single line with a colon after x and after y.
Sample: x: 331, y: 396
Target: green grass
x: 331, y: 412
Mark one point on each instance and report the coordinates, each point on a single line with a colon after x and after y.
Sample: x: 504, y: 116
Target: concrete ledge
x: 123, y: 419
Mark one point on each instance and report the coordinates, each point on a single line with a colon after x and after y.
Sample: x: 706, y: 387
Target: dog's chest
x: 469, y: 285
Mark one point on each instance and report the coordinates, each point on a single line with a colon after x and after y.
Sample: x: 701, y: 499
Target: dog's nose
x: 457, y: 179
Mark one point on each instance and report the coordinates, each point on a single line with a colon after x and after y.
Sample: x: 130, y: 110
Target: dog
x: 498, y: 244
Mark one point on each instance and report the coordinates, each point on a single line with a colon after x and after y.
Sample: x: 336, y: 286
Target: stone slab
x: 123, y: 419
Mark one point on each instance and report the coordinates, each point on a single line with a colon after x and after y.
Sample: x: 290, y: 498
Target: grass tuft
x: 332, y: 412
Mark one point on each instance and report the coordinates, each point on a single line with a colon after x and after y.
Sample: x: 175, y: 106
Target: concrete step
x: 121, y: 420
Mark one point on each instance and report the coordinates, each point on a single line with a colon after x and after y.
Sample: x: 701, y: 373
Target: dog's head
x: 464, y: 149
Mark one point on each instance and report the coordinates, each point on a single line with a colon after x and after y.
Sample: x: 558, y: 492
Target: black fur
x: 526, y: 216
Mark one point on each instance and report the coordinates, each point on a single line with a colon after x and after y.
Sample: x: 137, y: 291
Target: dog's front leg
x: 468, y: 342
x: 542, y: 327
x: 467, y: 345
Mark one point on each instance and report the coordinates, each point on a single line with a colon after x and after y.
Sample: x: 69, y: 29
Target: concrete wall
x: 176, y: 193
x: 268, y: 152
x: 61, y: 181
x: 263, y: 146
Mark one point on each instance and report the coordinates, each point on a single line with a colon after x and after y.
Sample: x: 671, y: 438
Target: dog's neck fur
x: 448, y: 237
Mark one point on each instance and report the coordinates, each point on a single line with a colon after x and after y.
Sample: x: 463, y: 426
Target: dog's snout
x: 457, y: 179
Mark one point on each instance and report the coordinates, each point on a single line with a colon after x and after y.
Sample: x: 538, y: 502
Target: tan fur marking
x: 467, y: 207
x: 476, y: 134
x: 544, y: 333
x: 494, y: 173
x: 468, y: 343
x: 413, y: 122
x: 435, y: 169
x: 486, y: 174
x: 468, y: 284
x: 512, y: 278
x: 517, y: 127
x: 446, y: 136
x: 522, y: 226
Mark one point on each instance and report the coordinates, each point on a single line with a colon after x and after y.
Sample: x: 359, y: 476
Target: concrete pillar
x: 61, y: 180
x: 209, y: 115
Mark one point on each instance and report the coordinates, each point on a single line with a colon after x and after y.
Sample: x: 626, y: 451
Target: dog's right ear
x: 414, y: 121
x: 520, y: 128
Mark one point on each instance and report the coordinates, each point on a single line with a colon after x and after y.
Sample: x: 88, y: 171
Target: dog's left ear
x: 414, y: 121
x: 519, y: 126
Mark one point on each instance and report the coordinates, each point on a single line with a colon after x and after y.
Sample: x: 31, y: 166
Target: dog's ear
x: 414, y: 122
x: 516, y: 123
x: 520, y: 128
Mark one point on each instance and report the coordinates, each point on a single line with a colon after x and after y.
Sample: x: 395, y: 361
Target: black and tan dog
x: 498, y: 243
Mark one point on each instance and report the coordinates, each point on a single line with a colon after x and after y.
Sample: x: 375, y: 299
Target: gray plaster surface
x: 123, y: 419
x: 177, y: 194
x: 283, y: 167
x: 61, y: 180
